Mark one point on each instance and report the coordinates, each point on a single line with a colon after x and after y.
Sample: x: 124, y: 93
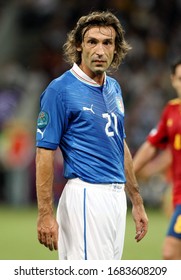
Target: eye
x: 91, y: 42
x: 108, y: 42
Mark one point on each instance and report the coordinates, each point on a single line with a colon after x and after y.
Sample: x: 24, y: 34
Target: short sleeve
x: 51, y: 119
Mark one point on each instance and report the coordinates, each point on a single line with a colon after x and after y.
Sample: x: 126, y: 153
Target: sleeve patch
x: 43, y: 119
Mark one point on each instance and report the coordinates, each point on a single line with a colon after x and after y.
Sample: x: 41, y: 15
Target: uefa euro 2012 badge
x: 43, y: 119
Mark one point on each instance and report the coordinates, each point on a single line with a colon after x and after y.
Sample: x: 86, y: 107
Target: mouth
x: 99, y: 61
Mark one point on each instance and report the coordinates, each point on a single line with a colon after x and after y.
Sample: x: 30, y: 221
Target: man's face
x: 176, y: 80
x: 98, y: 49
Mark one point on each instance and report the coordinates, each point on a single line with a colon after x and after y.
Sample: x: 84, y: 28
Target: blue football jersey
x: 86, y: 121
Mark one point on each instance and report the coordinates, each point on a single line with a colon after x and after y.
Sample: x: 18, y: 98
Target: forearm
x: 131, y: 186
x: 158, y: 164
x: 139, y: 215
x: 144, y: 154
x: 44, y: 180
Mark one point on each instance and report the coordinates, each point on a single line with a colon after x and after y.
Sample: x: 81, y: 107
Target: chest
x: 97, y: 109
x: 174, y: 128
x: 173, y: 122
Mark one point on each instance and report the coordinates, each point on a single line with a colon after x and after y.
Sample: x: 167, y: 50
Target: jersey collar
x: 80, y: 75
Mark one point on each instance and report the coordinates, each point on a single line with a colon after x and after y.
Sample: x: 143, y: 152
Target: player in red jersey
x: 168, y: 135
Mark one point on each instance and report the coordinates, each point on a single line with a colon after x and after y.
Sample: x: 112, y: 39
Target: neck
x: 97, y: 76
x: 99, y: 79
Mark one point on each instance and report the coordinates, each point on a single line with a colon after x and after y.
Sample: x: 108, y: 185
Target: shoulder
x: 113, y: 82
x: 59, y: 86
x: 111, y: 79
x: 174, y: 102
x: 171, y: 107
x: 60, y: 82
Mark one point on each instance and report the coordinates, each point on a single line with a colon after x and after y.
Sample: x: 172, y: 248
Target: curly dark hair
x: 76, y: 36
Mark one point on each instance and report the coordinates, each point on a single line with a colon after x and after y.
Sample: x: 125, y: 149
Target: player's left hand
x: 141, y: 221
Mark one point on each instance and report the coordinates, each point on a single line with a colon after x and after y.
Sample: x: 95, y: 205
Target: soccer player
x: 82, y: 113
x: 168, y: 135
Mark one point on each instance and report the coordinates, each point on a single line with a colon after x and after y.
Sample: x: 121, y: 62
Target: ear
x: 79, y: 49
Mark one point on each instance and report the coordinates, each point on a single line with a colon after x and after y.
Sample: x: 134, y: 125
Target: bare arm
x: 159, y: 164
x: 144, y: 154
x: 132, y: 189
x: 47, y: 226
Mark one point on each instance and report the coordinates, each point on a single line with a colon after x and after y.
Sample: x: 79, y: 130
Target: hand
x: 47, y: 228
x: 141, y: 221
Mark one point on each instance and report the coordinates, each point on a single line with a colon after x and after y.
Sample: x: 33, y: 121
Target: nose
x: 99, y: 49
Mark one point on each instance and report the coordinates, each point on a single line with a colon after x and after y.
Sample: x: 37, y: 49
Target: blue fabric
x: 87, y: 123
x: 175, y: 223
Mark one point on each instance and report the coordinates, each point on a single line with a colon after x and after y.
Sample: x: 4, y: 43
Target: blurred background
x: 32, y: 33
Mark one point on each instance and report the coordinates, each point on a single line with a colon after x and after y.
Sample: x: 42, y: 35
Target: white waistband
x: 111, y: 186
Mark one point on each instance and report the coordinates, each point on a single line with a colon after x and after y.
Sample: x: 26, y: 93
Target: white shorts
x: 92, y: 219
